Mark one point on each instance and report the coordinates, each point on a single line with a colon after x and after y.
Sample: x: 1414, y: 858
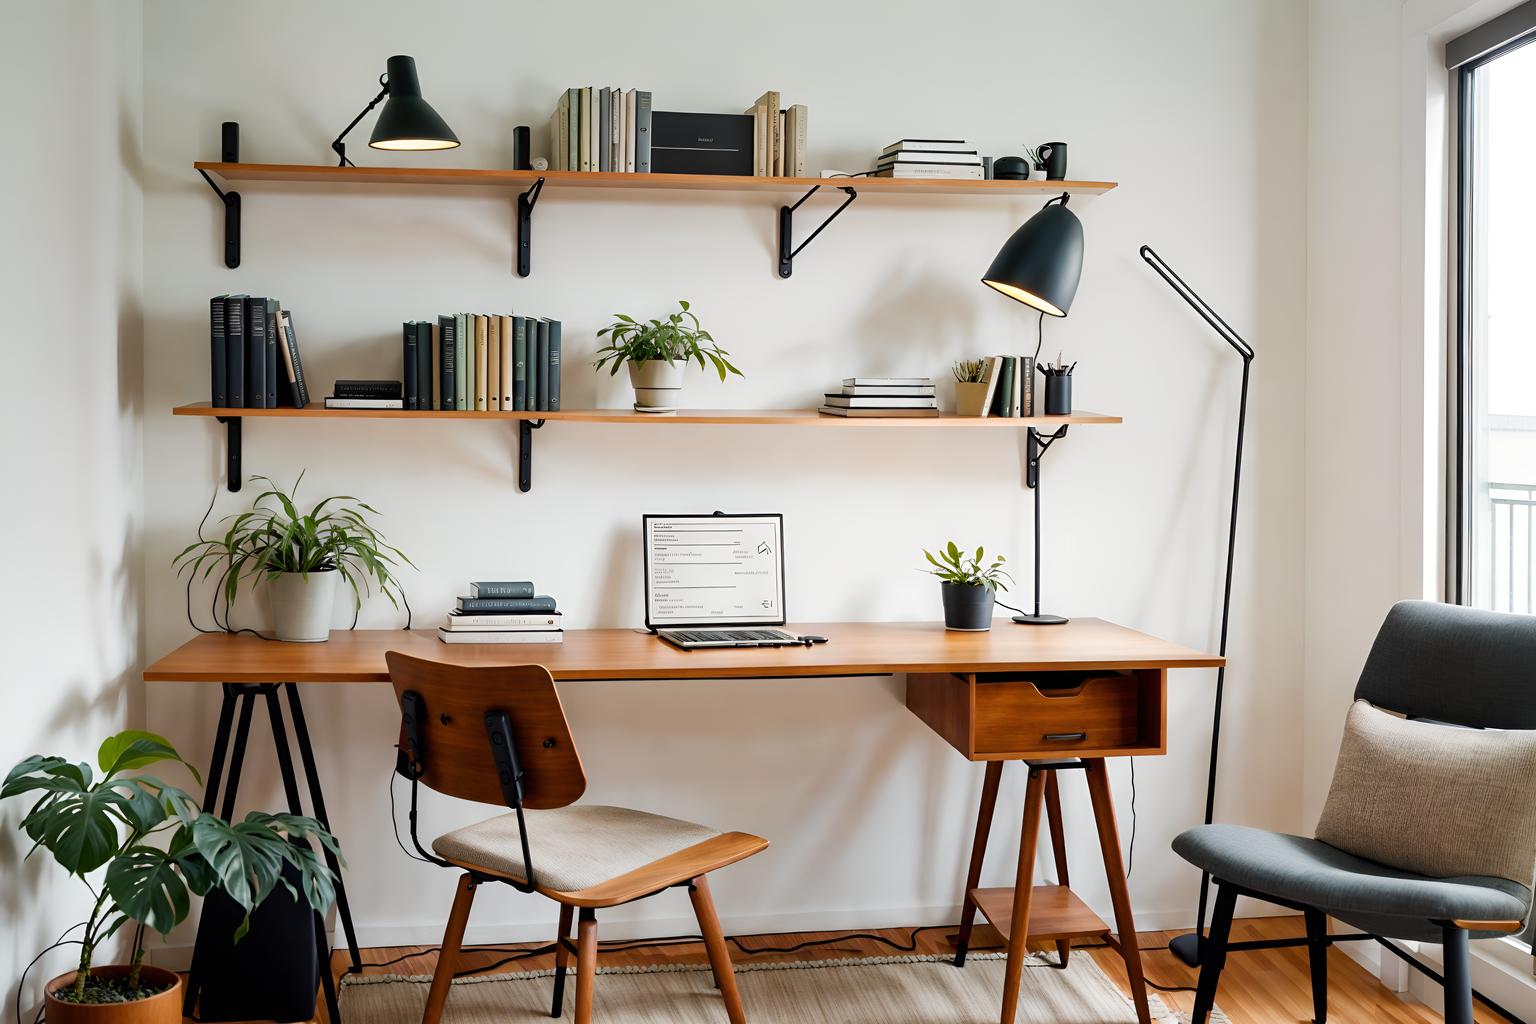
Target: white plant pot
x: 657, y: 384
x: 303, y: 606
x: 970, y: 398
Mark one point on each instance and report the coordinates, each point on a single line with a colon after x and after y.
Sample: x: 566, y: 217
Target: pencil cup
x: 1058, y: 395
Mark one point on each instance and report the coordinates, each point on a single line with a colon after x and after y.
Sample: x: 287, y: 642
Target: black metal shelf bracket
x: 231, y: 201
x: 787, y: 228
x: 525, y: 202
x: 525, y: 429
x: 232, y: 471
x: 1034, y: 448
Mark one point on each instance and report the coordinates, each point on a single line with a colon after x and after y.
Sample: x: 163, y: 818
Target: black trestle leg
x: 1317, y: 959
x: 1213, y: 953
x: 1458, y: 977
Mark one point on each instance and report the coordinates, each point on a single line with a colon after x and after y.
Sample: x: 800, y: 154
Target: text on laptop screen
x: 714, y: 569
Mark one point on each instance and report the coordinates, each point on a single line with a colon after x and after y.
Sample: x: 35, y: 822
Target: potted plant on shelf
x: 117, y: 821
x: 970, y: 387
x: 300, y: 556
x: 968, y: 585
x: 658, y: 351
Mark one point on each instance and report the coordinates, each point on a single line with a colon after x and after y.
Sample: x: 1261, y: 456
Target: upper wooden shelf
x: 508, y: 179
x: 726, y: 417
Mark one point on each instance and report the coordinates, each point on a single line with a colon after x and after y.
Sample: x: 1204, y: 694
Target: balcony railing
x: 1513, y: 533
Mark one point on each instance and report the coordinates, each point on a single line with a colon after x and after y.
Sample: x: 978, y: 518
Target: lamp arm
x: 1188, y: 952
x: 339, y: 146
x: 1196, y: 303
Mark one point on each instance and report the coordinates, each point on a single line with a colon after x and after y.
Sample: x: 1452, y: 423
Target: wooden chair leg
x: 978, y: 854
x: 1458, y: 976
x: 562, y: 958
x: 1059, y: 851
x: 719, y: 955
x: 586, y: 963
x: 448, y: 959
x: 1114, y: 871
x: 1213, y: 953
x: 1023, y: 891
x: 1317, y: 960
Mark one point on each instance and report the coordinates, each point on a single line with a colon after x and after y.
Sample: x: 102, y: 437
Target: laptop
x: 716, y: 580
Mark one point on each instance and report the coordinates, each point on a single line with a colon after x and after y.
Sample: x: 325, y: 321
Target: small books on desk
x: 515, y: 615
x: 883, y: 396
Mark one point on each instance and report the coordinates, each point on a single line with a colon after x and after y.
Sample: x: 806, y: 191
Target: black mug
x: 1058, y: 394
x: 1054, y: 156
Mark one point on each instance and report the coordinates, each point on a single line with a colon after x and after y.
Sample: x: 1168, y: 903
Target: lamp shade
x: 1042, y: 262
x: 408, y: 121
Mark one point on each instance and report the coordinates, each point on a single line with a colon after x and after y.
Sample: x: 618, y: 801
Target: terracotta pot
x: 161, y: 1008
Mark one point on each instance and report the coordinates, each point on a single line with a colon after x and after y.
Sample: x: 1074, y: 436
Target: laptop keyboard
x: 709, y: 636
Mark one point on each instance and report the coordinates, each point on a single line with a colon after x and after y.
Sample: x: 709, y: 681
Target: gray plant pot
x: 657, y: 383
x: 967, y: 607
x: 304, y: 605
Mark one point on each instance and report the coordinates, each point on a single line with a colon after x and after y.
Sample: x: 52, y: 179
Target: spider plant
x: 679, y: 337
x: 273, y: 537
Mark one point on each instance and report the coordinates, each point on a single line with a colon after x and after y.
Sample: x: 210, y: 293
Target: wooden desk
x: 1059, y: 698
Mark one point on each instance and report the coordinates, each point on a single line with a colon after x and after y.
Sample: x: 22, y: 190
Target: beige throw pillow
x: 1434, y: 799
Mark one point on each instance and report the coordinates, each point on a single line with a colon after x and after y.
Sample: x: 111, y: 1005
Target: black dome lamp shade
x: 1042, y: 262
x: 407, y: 121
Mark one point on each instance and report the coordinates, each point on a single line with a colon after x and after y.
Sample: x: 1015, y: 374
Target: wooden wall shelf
x: 527, y: 422
x: 529, y: 186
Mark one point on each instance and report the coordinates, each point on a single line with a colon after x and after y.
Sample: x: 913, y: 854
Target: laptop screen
x: 714, y: 570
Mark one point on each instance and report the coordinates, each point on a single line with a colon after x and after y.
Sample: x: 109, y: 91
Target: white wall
x: 1197, y: 107
x: 70, y: 427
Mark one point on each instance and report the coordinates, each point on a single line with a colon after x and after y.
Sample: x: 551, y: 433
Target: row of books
x: 484, y: 362
x: 882, y: 397
x: 253, y: 354
x: 503, y: 612
x: 601, y: 129
x: 1010, y: 384
x: 929, y: 158
x: 778, y: 137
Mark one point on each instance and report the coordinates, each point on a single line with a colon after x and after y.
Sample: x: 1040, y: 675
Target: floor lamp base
x: 1186, y: 948
x: 1025, y: 619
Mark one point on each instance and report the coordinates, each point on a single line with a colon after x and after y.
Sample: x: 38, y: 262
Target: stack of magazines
x: 882, y: 396
x: 503, y: 612
x: 929, y: 158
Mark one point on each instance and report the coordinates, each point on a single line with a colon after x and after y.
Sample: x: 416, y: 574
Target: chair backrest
x: 455, y: 754
x: 1453, y: 664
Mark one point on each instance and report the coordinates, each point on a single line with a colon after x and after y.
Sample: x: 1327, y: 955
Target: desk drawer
x: 1018, y: 714
x: 1007, y: 716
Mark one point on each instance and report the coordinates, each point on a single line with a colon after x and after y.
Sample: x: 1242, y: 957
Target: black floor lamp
x: 1187, y: 947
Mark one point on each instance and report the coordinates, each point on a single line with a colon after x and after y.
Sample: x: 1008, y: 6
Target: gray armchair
x: 1435, y: 662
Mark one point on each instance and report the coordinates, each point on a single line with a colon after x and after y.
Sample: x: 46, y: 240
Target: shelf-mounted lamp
x: 1040, y: 265
x: 407, y: 121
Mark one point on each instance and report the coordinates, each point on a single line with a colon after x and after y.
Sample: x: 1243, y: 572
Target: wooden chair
x: 498, y: 735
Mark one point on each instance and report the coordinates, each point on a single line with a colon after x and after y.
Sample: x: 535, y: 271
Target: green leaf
x: 79, y: 828
x: 136, y: 749
x: 145, y: 884
x: 246, y: 858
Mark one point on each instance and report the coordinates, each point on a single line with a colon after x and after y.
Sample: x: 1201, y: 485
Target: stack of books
x: 601, y: 129
x: 929, y: 158
x: 365, y: 394
x: 505, y: 612
x: 254, y: 354
x: 882, y: 396
x: 481, y: 362
x: 779, y: 135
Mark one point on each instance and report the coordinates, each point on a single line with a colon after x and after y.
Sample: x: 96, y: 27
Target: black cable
x: 394, y: 824
x: 1039, y: 337
x: 1130, y: 856
x: 60, y: 941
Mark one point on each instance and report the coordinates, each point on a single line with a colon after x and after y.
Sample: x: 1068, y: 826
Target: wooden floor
x: 1262, y: 987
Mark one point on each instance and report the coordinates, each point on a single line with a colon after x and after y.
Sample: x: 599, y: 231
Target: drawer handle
x: 1065, y: 737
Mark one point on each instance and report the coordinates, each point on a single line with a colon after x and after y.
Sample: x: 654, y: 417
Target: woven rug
x: 881, y: 990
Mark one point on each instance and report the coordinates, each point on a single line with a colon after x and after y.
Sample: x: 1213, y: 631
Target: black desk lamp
x: 1187, y: 947
x: 407, y: 121
x: 1040, y: 265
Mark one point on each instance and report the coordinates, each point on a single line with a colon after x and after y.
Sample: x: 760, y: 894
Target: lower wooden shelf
x: 722, y: 417
x: 1055, y: 912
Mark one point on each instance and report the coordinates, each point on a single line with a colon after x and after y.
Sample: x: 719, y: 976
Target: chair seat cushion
x: 1360, y: 891
x: 573, y: 847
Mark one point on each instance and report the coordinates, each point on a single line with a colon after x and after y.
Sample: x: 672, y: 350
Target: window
x: 1494, y: 486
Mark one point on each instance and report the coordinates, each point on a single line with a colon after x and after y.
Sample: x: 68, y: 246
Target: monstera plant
x: 143, y: 847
